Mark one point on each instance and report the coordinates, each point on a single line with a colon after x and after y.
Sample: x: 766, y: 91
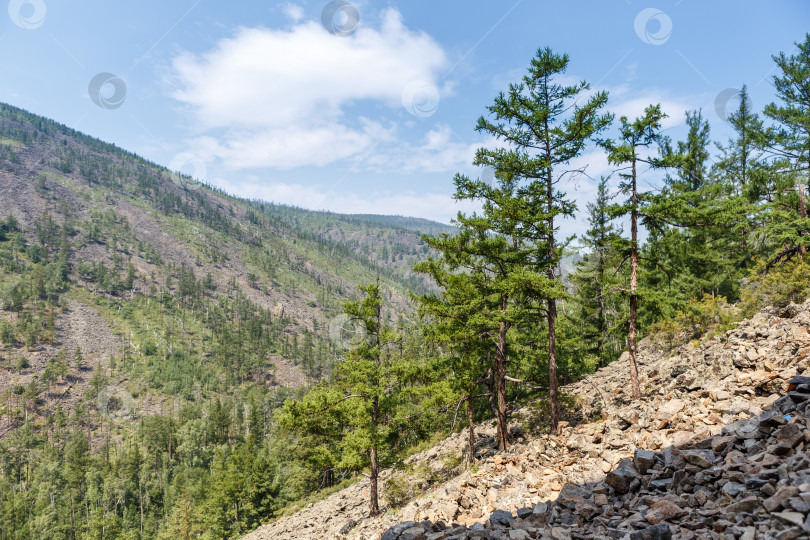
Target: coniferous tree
x: 789, y: 140
x: 595, y: 282
x: 462, y: 318
x: 628, y: 151
x: 698, y: 212
x: 359, y: 397
x: 491, y: 256
x: 544, y: 127
x: 741, y: 169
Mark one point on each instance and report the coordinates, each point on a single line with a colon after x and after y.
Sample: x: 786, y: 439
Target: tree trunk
x: 471, y: 425
x: 490, y: 382
x: 634, y: 386
x: 374, y: 505
x: 552, y: 304
x: 140, y: 498
x: 803, y: 205
x: 600, y: 321
x: 500, y: 383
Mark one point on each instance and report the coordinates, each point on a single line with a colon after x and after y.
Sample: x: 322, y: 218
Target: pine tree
x: 698, y: 211
x: 741, y: 168
x: 628, y: 151
x: 544, y: 127
x: 360, y: 396
x: 595, y: 281
x: 461, y: 322
x: 789, y: 140
x: 741, y: 155
x: 491, y: 258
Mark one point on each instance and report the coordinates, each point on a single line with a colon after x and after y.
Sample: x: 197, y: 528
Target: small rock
x: 540, y: 508
x: 655, y: 532
x: 700, y: 458
x: 348, y: 527
x: 501, y: 517
x: 748, y: 504
x: 791, y: 518
x: 669, y: 409
x: 560, y: 533
x: 394, y: 532
x: 732, y: 489
x: 622, y: 477
x: 664, y: 511
x: 519, y: 534
x: 749, y: 430
x: 775, y: 502
x: 414, y: 533
x: 643, y: 460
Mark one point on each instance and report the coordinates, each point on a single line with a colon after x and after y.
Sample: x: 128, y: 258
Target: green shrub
x: 411, y: 481
x: 6, y: 332
x: 710, y: 316
x: 781, y: 285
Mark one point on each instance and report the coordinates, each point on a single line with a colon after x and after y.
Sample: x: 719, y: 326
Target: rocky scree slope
x: 696, y: 457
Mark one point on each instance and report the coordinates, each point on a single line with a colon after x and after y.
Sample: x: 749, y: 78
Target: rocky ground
x: 696, y: 457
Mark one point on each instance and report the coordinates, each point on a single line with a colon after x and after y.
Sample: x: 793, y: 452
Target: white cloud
x: 283, y: 95
x: 295, y: 146
x: 440, y: 150
x: 633, y: 107
x: 294, y: 12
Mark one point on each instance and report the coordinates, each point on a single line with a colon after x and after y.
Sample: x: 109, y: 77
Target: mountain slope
x: 558, y: 482
x: 129, y: 263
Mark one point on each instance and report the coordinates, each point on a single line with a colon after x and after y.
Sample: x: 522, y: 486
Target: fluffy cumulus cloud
x: 281, y: 96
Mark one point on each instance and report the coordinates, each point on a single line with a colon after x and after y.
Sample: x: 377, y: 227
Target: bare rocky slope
x: 714, y: 449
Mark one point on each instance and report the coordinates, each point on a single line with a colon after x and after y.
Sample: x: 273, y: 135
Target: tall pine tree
x: 545, y: 124
x: 629, y: 152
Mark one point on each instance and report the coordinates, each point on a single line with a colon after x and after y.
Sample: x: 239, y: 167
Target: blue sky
x: 260, y: 98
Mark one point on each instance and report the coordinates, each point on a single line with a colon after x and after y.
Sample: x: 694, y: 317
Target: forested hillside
x: 180, y: 363
x: 150, y: 325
